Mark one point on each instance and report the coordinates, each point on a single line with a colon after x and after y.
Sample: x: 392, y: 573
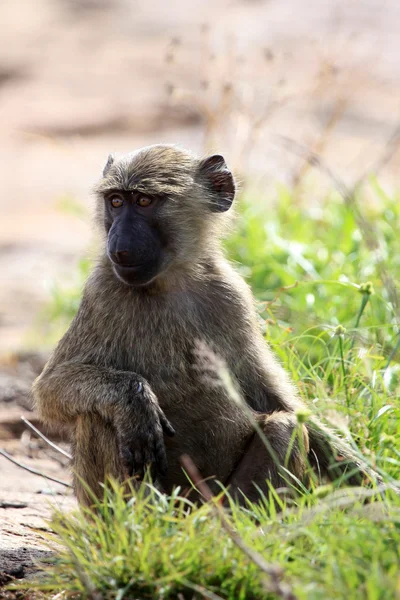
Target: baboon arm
x: 67, y: 390
x: 263, y: 381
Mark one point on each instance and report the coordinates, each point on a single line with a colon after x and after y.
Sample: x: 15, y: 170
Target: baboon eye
x: 139, y: 387
x: 144, y: 201
x: 116, y: 201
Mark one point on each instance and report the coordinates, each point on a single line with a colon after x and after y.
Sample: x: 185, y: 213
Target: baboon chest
x: 167, y: 354
x: 160, y: 341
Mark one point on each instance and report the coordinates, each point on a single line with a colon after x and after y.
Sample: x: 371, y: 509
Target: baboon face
x: 135, y: 246
x: 158, y: 206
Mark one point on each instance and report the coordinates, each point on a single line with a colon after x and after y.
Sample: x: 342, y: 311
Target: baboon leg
x: 95, y: 457
x: 260, y: 467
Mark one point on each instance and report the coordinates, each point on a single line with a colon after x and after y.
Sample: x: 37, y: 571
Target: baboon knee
x: 289, y: 441
x: 282, y: 447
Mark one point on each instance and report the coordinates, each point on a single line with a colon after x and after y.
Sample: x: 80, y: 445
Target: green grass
x: 339, y: 338
x: 156, y: 547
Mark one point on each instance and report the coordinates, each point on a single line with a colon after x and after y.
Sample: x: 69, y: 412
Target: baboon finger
x: 127, y: 460
x: 153, y: 470
x: 149, y: 460
x: 161, y: 456
x: 139, y: 463
x: 166, y: 425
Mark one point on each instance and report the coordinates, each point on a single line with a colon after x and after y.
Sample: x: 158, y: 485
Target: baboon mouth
x: 136, y: 275
x: 129, y: 267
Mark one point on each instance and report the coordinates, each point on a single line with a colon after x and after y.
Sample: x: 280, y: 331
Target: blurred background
x: 265, y: 82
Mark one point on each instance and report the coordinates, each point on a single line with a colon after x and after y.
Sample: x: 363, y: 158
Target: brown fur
x: 120, y: 331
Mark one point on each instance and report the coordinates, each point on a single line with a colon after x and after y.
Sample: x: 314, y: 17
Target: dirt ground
x: 26, y: 499
x: 81, y: 78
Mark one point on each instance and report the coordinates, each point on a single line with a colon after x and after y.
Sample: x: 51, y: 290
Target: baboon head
x: 161, y: 208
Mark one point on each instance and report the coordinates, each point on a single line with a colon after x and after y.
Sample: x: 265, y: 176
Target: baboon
x: 125, y: 377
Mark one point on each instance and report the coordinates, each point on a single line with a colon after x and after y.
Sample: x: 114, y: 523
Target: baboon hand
x: 141, y: 425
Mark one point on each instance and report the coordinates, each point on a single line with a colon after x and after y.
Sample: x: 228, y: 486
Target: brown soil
x: 26, y: 500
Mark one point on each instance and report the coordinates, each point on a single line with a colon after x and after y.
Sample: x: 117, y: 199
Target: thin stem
x: 364, y: 303
x: 30, y: 470
x: 393, y: 352
x: 344, y: 370
x: 201, y: 590
x: 49, y: 442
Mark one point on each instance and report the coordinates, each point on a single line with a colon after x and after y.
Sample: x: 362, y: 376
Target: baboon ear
x: 108, y: 164
x: 220, y: 181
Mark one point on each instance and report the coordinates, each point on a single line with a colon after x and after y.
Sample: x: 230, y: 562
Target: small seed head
x: 340, y: 330
x: 366, y: 288
x: 302, y: 415
x: 387, y: 440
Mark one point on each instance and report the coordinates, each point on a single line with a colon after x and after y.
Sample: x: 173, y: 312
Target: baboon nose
x: 121, y: 257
